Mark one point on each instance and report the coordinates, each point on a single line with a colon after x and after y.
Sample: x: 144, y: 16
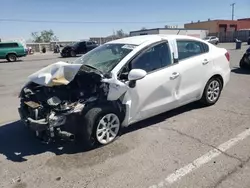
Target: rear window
x: 8, y: 45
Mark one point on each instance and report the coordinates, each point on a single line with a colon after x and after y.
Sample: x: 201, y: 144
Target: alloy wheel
x: 107, y: 128
x: 213, y: 91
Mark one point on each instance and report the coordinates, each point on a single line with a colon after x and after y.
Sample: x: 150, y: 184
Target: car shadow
x: 162, y: 117
x: 240, y: 71
x: 17, y: 142
x: 7, y: 62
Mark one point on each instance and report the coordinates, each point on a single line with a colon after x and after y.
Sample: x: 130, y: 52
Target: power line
x: 93, y: 22
x: 82, y: 22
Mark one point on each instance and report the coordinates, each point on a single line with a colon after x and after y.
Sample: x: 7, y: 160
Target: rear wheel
x: 212, y: 91
x: 11, y: 57
x: 242, y: 63
x: 100, y: 126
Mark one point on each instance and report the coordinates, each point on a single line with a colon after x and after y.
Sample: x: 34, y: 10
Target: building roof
x: 163, y: 29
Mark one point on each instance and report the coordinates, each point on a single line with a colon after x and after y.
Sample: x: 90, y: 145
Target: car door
x: 156, y: 92
x: 196, y: 66
x: 81, y: 48
x: 89, y: 45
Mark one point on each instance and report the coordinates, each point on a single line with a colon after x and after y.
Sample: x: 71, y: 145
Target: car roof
x: 138, y: 40
x: 9, y: 42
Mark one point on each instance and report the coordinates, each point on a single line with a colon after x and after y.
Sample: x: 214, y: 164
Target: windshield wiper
x: 93, y: 68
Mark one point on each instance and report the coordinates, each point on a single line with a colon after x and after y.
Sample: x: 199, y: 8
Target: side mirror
x: 136, y: 74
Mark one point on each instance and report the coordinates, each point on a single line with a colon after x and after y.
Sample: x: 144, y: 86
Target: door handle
x: 174, y: 75
x: 205, y: 61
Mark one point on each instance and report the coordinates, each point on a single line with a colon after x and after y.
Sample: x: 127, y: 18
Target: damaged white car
x: 120, y: 83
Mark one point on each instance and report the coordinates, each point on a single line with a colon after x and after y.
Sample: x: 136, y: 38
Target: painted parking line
x: 178, y: 174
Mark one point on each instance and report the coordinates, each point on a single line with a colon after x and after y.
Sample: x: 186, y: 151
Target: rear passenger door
x: 90, y: 45
x: 195, y: 64
x: 82, y: 48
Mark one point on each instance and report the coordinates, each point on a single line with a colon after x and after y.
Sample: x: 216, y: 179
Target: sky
x: 99, y: 18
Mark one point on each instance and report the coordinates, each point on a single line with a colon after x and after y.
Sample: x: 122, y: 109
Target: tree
x: 120, y: 33
x: 44, y: 36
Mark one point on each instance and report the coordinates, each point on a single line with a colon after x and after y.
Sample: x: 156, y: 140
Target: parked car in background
x: 81, y: 47
x: 245, y: 60
x: 11, y: 51
x: 120, y: 83
x: 212, y: 39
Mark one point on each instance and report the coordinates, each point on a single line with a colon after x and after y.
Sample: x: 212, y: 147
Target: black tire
x: 216, y: 43
x: 86, y: 134
x: 63, y: 55
x: 72, y: 53
x: 205, y: 97
x: 11, y: 57
x: 242, y: 64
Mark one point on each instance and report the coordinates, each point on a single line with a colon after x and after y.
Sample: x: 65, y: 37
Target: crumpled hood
x: 60, y: 73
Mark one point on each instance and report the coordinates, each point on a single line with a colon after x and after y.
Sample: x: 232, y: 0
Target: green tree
x: 44, y: 36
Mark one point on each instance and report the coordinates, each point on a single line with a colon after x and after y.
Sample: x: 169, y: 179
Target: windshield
x: 75, y: 44
x: 206, y: 38
x: 105, y: 57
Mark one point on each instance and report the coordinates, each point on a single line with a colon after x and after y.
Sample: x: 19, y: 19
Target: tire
x: 216, y: 43
x: 212, y: 91
x: 242, y: 64
x: 11, y: 57
x: 90, y: 133
x: 72, y: 53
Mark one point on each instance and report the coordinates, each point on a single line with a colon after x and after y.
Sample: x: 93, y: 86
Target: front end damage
x: 59, y: 92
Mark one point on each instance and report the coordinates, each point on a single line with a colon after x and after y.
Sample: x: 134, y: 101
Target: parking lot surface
x: 190, y: 147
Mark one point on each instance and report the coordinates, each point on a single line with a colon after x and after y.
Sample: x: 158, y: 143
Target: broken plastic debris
x: 78, y: 107
x: 54, y: 101
x: 32, y: 104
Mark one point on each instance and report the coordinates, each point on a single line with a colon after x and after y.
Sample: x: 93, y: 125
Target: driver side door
x: 156, y: 92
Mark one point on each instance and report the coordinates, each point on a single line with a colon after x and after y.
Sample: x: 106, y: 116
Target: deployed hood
x: 60, y: 73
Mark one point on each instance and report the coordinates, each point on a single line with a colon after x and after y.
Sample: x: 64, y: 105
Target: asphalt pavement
x: 190, y: 147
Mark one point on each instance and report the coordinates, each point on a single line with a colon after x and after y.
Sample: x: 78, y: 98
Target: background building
x: 216, y: 26
x: 200, y: 33
x: 226, y: 30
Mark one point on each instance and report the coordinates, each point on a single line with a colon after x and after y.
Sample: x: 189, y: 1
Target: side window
x: 82, y: 44
x: 189, y: 48
x: 89, y: 43
x: 8, y: 45
x: 205, y: 47
x: 154, y: 58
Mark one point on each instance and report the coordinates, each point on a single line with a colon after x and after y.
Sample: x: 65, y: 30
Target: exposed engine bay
x: 45, y: 108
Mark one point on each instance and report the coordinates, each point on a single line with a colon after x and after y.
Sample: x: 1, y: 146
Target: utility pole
x: 232, y: 10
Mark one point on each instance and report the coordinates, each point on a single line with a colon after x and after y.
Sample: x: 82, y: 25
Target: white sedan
x: 123, y: 82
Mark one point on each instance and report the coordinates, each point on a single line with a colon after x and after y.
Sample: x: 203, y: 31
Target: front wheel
x: 100, y: 126
x: 212, y: 91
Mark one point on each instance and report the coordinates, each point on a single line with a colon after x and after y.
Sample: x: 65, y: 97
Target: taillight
x: 227, y: 56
